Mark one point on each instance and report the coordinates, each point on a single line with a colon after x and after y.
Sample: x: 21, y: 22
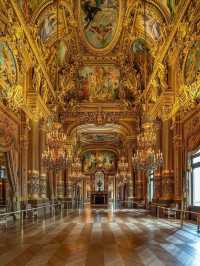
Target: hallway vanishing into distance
x: 98, y: 237
x: 99, y: 132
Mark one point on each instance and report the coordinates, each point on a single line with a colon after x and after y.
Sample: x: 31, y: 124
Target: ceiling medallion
x: 100, y: 24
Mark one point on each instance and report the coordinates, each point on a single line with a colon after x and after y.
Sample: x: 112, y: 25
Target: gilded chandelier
x: 145, y: 160
x: 56, y: 138
x: 146, y: 157
x: 55, y: 157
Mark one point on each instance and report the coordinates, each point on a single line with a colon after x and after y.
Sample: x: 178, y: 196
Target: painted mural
x: 99, y: 19
x: 93, y: 160
x: 99, y: 83
x: 47, y: 26
x: 139, y: 51
x: 8, y: 71
x: 192, y: 66
x: 153, y: 27
x: 61, y: 52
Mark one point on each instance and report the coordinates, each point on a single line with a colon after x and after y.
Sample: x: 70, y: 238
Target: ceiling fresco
x: 92, y: 52
x: 99, y: 21
x: 192, y: 65
x: 141, y: 56
x: 99, y: 83
x: 153, y: 26
x: 47, y: 26
x: 92, y: 58
x: 8, y: 70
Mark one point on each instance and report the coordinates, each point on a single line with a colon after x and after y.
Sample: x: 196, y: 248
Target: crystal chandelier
x: 55, y: 156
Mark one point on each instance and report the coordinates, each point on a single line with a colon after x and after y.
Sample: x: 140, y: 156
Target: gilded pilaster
x: 60, y: 185
x: 178, y: 160
x: 42, y: 169
x: 157, y: 173
x: 130, y: 144
x: 24, y: 157
x: 167, y: 173
x: 157, y: 186
x: 139, y: 184
x: 34, y: 157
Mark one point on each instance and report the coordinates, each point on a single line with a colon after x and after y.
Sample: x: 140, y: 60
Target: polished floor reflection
x: 98, y: 237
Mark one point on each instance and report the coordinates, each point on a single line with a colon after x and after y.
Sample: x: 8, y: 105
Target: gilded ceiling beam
x: 33, y: 46
x: 183, y: 6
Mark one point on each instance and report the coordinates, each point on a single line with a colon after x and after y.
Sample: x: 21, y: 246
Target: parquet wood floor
x: 98, y: 238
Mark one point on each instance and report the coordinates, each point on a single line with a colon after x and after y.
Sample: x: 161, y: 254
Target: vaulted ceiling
x: 92, y: 58
x: 98, y: 43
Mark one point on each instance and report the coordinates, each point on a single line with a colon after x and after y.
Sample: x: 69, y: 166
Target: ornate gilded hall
x: 99, y: 132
